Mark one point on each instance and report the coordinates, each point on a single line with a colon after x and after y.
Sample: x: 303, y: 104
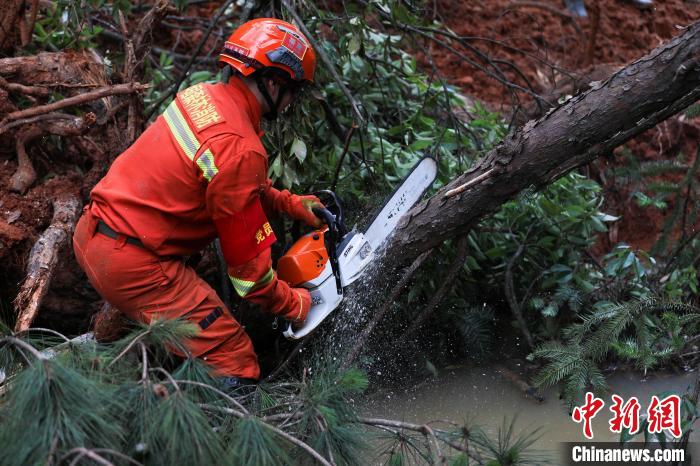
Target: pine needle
x: 51, y: 409
x: 252, y: 444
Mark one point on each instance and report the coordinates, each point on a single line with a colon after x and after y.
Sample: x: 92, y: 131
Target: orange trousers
x: 145, y: 286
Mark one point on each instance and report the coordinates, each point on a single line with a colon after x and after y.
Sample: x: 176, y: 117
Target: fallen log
x: 43, y: 259
x: 610, y: 113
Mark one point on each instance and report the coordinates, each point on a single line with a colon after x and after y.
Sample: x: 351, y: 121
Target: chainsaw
x: 329, y: 259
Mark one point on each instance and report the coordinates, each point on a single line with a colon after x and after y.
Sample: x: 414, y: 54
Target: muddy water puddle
x: 483, y: 397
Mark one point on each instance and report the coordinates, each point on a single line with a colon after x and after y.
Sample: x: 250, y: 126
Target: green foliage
x: 174, y: 419
x: 567, y: 364
x: 646, y: 332
x: 400, y: 103
x: 52, y: 408
x: 161, y: 77
x: 253, y: 444
x: 552, y: 277
x: 124, y: 404
x: 475, y: 325
x: 510, y: 449
x: 63, y: 25
x: 693, y: 111
x: 328, y: 418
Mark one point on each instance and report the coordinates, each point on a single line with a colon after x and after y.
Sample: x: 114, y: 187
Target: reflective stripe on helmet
x: 188, y: 142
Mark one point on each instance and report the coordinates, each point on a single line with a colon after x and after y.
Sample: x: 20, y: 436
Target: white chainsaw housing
x: 324, y: 299
x: 352, y: 260
x: 358, y: 249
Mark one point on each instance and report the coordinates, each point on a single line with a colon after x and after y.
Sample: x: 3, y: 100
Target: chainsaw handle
x: 325, y: 215
x: 332, y: 238
x: 335, y: 206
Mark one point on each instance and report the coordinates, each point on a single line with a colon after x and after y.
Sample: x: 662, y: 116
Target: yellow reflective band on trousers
x: 188, y: 141
x: 243, y: 287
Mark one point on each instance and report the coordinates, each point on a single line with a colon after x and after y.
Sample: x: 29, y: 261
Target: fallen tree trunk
x: 611, y: 112
x: 43, y: 260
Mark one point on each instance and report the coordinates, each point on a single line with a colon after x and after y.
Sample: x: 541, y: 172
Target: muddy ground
x: 537, y: 45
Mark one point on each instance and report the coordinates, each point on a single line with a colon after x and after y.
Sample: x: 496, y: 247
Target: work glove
x: 297, y: 317
x: 297, y: 207
x: 301, y: 208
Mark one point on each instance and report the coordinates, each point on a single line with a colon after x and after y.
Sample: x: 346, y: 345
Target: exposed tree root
x: 43, y: 260
x: 25, y: 176
x: 62, y: 125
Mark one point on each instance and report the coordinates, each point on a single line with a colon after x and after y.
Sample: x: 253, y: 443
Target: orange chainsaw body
x: 305, y: 260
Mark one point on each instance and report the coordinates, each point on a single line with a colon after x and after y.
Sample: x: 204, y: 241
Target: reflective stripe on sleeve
x: 206, y: 164
x: 188, y: 142
x: 243, y: 287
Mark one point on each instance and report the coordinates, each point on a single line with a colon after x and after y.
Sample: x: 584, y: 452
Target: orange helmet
x: 270, y: 43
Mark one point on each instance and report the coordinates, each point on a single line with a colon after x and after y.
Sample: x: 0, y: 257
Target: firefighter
x: 198, y: 172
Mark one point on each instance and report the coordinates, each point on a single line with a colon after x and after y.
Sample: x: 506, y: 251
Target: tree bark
x: 43, y: 260
x: 55, y: 69
x: 611, y: 112
x: 10, y: 17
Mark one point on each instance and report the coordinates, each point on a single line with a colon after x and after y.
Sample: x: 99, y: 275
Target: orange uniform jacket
x: 200, y: 171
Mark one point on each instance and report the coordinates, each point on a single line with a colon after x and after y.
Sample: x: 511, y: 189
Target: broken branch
x: 472, y: 182
x: 119, y: 89
x: 43, y: 259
